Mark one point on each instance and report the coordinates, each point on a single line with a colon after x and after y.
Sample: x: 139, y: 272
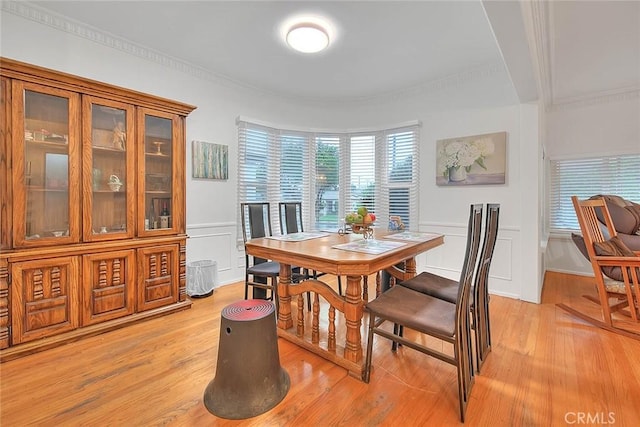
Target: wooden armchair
x: 616, y: 267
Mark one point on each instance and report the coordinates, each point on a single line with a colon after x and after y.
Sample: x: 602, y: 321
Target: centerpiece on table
x: 361, y: 221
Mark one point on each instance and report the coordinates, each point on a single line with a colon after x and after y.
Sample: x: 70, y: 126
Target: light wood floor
x: 546, y: 369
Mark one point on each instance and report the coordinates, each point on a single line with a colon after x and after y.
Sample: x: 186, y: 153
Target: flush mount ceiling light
x: 307, y: 37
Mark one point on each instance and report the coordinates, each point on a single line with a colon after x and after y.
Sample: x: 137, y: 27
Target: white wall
x: 601, y: 125
x: 467, y: 105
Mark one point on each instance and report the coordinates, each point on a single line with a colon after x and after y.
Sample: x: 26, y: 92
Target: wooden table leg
x: 353, y: 311
x: 284, y: 310
x: 410, y: 267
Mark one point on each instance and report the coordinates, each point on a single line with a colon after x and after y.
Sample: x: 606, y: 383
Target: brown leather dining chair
x: 431, y: 316
x: 447, y: 289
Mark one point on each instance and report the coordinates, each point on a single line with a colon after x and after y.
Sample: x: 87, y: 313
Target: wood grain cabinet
x: 44, y: 298
x: 109, y: 285
x: 158, y: 272
x: 92, y: 207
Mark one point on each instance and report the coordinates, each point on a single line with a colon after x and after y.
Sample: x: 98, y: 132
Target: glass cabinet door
x: 159, y: 157
x: 108, y: 169
x: 5, y: 184
x: 46, y: 159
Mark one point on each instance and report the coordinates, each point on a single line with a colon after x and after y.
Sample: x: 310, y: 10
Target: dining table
x: 340, y: 254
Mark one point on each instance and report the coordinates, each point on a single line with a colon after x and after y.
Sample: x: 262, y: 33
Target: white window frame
x: 382, y: 180
x: 586, y: 176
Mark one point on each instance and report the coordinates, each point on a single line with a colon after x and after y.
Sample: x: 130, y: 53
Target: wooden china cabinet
x: 92, y: 208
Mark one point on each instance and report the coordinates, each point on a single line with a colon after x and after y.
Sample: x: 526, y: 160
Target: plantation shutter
x: 399, y: 172
x: 586, y: 177
x: 330, y: 173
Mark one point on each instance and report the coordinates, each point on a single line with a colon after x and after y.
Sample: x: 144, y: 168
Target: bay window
x: 331, y: 173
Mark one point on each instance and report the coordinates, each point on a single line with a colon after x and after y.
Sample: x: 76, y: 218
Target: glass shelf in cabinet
x: 107, y: 191
x: 109, y: 150
x: 41, y: 189
x: 47, y: 145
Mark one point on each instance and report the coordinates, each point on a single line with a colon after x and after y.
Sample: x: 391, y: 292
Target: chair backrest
x: 290, y: 217
x: 488, y: 246
x: 590, y: 226
x: 474, y: 227
x: 473, y: 242
x: 256, y: 220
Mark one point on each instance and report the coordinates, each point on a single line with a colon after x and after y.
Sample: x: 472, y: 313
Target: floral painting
x: 210, y: 161
x: 472, y: 160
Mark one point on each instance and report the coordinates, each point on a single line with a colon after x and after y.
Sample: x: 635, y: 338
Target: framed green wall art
x: 210, y: 161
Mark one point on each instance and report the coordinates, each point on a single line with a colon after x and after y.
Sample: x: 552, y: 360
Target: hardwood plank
x: 545, y: 365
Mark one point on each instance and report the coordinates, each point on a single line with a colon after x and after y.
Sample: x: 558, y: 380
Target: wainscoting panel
x: 216, y: 242
x: 219, y: 243
x: 447, y: 259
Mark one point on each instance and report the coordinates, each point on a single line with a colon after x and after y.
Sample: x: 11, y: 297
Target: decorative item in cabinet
x: 161, y: 208
x: 109, y: 129
x: 114, y: 183
x: 109, y: 285
x: 158, y: 150
x: 45, y: 301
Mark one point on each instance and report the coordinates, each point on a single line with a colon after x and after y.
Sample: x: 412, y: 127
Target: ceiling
x: 381, y: 47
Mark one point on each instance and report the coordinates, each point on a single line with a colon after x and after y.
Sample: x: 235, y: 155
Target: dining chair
x: 260, y: 274
x: 616, y: 267
x: 431, y: 316
x: 447, y: 289
x: 291, y: 222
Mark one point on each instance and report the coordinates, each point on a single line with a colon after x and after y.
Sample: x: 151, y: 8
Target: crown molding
x: 457, y: 80
x: 542, y: 16
x: 42, y: 16
x: 597, y: 98
x: 62, y: 23
x: 538, y: 13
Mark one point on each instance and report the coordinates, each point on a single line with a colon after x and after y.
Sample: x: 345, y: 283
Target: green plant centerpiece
x: 361, y: 221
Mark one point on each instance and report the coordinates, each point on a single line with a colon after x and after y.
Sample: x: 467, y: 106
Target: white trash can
x: 201, y: 278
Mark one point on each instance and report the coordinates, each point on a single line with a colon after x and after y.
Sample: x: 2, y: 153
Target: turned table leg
x: 284, y: 310
x: 353, y: 311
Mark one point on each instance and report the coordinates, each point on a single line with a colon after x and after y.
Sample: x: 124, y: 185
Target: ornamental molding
x: 599, y: 98
x: 542, y: 16
x: 44, y: 17
x: 62, y: 23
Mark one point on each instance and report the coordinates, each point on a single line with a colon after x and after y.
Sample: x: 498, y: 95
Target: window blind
x: 330, y: 173
x: 400, y: 173
x: 327, y: 182
x: 586, y: 177
x: 361, y: 184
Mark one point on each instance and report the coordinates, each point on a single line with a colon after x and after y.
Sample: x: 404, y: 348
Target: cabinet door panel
x: 5, y: 161
x: 44, y: 298
x: 109, y: 285
x: 160, y: 172
x: 158, y: 271
x: 108, y: 169
x: 46, y: 165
